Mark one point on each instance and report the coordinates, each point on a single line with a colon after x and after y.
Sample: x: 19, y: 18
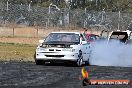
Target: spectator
x: 86, y: 34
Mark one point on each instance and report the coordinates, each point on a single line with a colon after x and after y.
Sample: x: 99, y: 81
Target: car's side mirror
x: 41, y: 41
x: 84, y: 42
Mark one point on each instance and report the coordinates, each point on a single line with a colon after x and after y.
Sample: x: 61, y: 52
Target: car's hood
x: 57, y: 44
x: 60, y: 43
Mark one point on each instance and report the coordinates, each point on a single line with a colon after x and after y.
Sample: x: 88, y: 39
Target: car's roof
x: 67, y: 32
x: 127, y: 31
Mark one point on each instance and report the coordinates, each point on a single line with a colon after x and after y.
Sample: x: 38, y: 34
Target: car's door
x: 85, y: 47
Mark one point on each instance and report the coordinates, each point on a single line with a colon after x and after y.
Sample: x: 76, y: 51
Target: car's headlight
x: 41, y: 49
x: 38, y: 49
x: 67, y: 49
x: 73, y: 50
x: 43, y: 45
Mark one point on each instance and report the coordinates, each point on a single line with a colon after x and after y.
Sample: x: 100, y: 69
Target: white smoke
x: 113, y: 53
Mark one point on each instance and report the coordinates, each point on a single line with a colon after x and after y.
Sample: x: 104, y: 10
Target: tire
x: 80, y: 62
x: 87, y: 63
x: 39, y: 62
x: 80, y: 59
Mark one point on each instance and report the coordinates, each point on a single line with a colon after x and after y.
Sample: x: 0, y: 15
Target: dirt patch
x: 29, y: 75
x: 17, y: 52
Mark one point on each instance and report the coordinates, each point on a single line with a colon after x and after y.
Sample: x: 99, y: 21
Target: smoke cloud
x: 113, y: 53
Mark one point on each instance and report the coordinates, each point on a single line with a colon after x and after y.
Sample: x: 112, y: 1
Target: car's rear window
x: 122, y: 36
x: 119, y: 35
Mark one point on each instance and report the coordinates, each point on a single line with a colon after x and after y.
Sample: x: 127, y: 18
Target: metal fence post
x: 13, y: 32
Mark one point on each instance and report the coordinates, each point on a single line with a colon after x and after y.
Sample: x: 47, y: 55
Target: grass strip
x: 16, y: 52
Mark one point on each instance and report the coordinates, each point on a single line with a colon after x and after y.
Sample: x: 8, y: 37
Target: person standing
x: 86, y: 34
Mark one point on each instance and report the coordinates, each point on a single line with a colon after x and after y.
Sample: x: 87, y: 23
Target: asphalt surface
x: 29, y: 75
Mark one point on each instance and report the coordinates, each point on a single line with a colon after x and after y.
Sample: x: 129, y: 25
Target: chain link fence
x: 14, y: 14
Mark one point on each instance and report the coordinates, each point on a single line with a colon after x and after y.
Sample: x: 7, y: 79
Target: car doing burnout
x: 63, y: 47
x: 122, y: 36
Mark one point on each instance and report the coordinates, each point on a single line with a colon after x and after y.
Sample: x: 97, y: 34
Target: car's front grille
x: 51, y: 49
x: 58, y: 50
x: 54, y: 55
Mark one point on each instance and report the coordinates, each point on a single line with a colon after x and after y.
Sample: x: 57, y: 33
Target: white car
x: 63, y: 47
x: 123, y: 36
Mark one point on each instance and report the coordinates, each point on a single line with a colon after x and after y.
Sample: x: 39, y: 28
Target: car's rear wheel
x: 87, y: 63
x: 80, y: 62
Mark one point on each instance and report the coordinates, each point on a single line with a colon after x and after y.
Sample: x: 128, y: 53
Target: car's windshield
x: 63, y: 37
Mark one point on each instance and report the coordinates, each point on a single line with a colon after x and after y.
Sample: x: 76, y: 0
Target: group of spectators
x: 89, y: 36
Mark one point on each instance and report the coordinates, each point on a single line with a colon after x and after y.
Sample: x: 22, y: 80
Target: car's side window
x: 131, y: 35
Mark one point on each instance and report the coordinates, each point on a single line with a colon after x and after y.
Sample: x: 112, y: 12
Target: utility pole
x: 85, y: 18
x: 49, y: 14
x: 7, y: 5
x: 103, y: 13
x: 119, y: 20
x: 29, y: 6
x: 96, y: 4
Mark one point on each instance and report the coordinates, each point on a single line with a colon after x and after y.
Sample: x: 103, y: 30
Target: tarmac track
x: 29, y: 75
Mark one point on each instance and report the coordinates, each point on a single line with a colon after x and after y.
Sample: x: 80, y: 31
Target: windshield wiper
x: 60, y: 42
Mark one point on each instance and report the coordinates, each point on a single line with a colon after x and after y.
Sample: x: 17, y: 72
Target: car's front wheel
x: 80, y: 59
x: 39, y: 62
